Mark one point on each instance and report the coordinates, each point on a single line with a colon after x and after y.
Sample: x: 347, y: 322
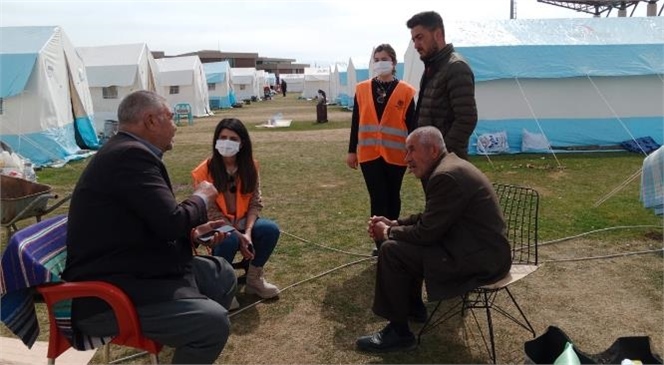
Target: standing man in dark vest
x: 447, y: 88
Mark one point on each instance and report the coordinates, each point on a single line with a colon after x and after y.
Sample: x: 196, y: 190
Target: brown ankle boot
x: 256, y: 284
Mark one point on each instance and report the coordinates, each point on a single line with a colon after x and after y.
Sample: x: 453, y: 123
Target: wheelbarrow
x: 22, y: 199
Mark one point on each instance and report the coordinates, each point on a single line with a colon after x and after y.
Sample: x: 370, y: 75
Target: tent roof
x: 121, y: 54
x: 569, y: 31
x: 112, y: 65
x: 177, y: 70
x: 292, y: 76
x: 316, y: 74
x: 19, y: 48
x: 215, y: 72
x: 24, y: 39
x: 244, y: 71
x: 557, y: 48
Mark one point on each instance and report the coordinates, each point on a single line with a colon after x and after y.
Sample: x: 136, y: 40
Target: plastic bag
x: 568, y: 357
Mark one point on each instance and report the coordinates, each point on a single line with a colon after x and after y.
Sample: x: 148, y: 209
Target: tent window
x: 110, y: 92
x: 174, y: 90
x: 211, y: 87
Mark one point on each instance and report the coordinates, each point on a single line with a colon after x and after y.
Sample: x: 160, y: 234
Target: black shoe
x: 374, y: 252
x: 386, y: 340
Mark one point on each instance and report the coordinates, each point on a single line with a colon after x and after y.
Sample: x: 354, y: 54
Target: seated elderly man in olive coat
x: 458, y: 243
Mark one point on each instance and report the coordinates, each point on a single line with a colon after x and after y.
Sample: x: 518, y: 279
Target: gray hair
x: 429, y: 136
x: 136, y: 103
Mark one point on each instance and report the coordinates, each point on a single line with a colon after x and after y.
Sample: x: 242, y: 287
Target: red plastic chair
x: 129, y: 327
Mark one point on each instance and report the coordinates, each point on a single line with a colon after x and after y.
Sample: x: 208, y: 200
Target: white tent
x: 220, y: 88
x: 46, y: 112
x: 245, y: 83
x: 182, y: 80
x: 576, y: 84
x: 334, y: 84
x: 271, y: 79
x: 113, y: 73
x: 315, y: 79
x: 344, y: 93
x: 351, y: 83
x: 262, y: 82
x: 294, y: 82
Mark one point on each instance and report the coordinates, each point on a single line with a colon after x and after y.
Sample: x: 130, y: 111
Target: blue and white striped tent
x: 583, y: 84
x: 220, y: 86
x: 46, y: 112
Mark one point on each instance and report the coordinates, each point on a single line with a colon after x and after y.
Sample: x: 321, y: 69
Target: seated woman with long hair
x: 234, y: 172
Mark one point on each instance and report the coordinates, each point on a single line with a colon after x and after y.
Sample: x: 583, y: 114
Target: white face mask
x: 227, y: 147
x: 382, y: 68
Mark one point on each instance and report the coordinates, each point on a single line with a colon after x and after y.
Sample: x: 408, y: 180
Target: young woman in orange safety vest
x: 234, y: 173
x: 383, y: 115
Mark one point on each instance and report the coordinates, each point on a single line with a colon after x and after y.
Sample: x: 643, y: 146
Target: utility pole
x: 512, y: 9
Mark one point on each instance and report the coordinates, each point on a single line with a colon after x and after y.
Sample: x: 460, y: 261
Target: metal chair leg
x: 489, y: 321
x: 530, y: 327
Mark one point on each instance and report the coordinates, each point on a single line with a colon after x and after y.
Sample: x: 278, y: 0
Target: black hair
x: 427, y: 19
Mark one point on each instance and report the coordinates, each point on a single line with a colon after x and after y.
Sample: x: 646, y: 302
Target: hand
x: 207, y: 227
x: 206, y: 190
x: 375, y: 219
x: 377, y: 231
x: 246, y: 246
x: 351, y: 160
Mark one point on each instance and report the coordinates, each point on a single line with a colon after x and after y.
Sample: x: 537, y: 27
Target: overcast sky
x: 315, y: 31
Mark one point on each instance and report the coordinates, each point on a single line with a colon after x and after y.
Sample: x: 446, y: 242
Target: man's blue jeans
x: 264, y: 236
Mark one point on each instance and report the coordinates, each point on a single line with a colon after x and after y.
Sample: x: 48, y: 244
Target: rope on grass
x: 595, y: 231
x: 325, y: 247
x: 302, y: 282
x: 588, y: 258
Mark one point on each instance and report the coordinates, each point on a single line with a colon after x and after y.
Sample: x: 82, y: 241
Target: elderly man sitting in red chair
x: 126, y: 228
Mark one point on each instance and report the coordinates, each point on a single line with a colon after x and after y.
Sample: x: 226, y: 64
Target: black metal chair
x: 520, y: 206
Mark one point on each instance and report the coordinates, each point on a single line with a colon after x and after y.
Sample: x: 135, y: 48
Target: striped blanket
x: 652, y: 181
x: 36, y: 255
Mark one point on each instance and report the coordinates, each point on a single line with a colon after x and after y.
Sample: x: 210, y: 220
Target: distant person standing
x: 284, y: 86
x: 383, y: 115
x: 447, y: 88
x: 321, y: 107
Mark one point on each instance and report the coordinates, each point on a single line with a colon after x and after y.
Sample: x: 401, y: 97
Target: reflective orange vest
x: 387, y: 138
x: 201, y: 173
